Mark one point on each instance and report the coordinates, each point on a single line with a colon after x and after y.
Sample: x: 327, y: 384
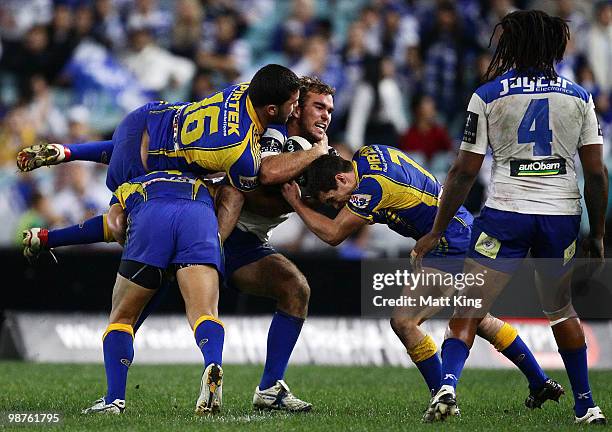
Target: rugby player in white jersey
x: 534, y: 121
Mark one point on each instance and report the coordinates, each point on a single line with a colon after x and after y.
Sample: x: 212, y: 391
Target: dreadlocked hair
x: 532, y: 42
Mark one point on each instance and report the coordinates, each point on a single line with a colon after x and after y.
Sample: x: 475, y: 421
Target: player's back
x: 210, y: 135
x: 534, y: 128
x: 161, y: 185
x: 396, y: 191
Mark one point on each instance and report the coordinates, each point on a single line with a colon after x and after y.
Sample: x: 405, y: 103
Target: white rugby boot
x: 279, y: 397
x: 211, y: 391
x: 101, y: 407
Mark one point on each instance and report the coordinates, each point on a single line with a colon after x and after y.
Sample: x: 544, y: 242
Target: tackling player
x: 252, y: 265
x: 383, y: 185
x: 218, y: 134
x: 171, y: 201
x: 534, y: 121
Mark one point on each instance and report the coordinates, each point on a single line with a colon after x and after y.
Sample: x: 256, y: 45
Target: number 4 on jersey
x: 534, y: 128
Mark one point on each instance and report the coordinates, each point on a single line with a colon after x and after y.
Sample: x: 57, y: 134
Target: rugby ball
x: 296, y: 143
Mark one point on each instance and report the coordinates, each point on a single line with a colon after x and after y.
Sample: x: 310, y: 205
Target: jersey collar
x: 253, y: 114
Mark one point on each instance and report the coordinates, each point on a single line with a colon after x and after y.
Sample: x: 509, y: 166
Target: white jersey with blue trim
x: 271, y: 143
x: 534, y: 128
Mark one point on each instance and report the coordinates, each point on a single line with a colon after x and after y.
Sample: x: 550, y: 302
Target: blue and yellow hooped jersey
x: 394, y: 190
x: 218, y: 134
x: 161, y: 184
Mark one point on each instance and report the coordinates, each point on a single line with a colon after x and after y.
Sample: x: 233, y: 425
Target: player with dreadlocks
x: 534, y: 121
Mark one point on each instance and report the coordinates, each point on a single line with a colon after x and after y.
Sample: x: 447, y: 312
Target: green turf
x: 344, y: 398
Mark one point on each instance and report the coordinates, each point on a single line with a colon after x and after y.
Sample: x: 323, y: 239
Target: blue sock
x: 90, y: 231
x: 209, y: 335
x: 518, y: 353
x: 282, y: 337
x: 431, y: 369
x: 577, y: 370
x: 95, y: 151
x: 454, y: 354
x: 118, y: 345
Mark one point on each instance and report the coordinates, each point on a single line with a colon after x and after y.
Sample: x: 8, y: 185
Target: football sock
x: 425, y: 357
x: 95, y: 151
x: 118, y: 346
x: 209, y: 335
x: 509, y: 343
x: 577, y: 370
x: 454, y: 354
x: 93, y: 230
x: 282, y: 337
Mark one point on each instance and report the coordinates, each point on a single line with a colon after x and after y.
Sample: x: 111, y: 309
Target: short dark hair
x: 321, y: 174
x: 313, y: 85
x: 532, y: 41
x: 273, y: 85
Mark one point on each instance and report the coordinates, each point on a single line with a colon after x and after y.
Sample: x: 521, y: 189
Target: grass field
x: 344, y: 398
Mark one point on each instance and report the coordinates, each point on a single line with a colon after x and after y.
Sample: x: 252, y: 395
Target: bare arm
x: 456, y: 188
x: 595, y: 196
x: 331, y: 231
x: 284, y: 167
x: 228, y: 203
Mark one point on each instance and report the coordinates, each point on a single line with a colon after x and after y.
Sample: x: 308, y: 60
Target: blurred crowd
x: 403, y: 71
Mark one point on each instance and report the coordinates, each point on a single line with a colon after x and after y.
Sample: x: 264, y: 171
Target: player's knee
x: 489, y: 327
x: 401, y: 324
x: 565, y: 313
x: 293, y: 287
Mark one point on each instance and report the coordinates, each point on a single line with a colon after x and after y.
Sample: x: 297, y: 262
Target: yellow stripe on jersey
x: 396, y: 155
x: 369, y: 218
x: 217, y: 159
x: 124, y: 191
x: 253, y: 115
x: 401, y: 196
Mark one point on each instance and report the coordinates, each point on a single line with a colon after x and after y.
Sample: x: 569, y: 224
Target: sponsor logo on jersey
x: 233, y: 109
x: 531, y: 168
x: 270, y: 145
x: 360, y: 201
x: 471, y: 128
x: 248, y: 182
x: 375, y: 158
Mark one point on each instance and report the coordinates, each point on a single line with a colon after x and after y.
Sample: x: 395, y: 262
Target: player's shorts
x: 125, y: 163
x: 450, y: 253
x: 501, y: 239
x: 242, y: 248
x: 173, y: 231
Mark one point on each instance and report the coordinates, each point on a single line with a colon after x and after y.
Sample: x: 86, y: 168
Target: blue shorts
x: 173, y: 231
x: 125, y: 163
x: 450, y: 253
x: 501, y: 239
x: 242, y: 248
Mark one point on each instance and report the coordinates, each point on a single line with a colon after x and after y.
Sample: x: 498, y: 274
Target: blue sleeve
x: 243, y: 174
x: 365, y: 198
